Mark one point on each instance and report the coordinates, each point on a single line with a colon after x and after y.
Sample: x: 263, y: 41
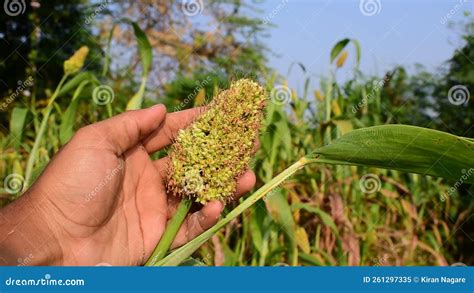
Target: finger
x: 162, y: 166
x: 165, y: 135
x: 256, y: 145
x: 209, y: 214
x: 245, y: 183
x: 123, y: 131
x: 198, y: 222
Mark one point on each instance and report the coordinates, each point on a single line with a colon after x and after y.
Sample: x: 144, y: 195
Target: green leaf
x: 146, y: 58
x: 283, y: 134
x: 309, y: 259
x: 337, y: 49
x: 405, y: 148
x: 75, y: 81
x: 105, y: 68
x: 193, y: 262
x: 17, y: 123
x: 38, y: 170
x: 68, y: 117
x: 144, y: 47
x: 325, y: 217
x: 256, y: 227
x: 358, y: 51
x: 137, y: 100
x: 280, y: 211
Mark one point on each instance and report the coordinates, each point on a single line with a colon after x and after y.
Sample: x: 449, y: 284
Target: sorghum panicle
x: 209, y: 155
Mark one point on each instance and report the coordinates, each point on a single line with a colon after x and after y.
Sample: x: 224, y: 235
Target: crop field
x: 397, y: 195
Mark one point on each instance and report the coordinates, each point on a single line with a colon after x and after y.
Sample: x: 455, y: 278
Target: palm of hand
x: 114, y: 209
x: 111, y: 207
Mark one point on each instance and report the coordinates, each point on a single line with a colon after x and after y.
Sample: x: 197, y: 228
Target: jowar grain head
x: 209, y: 155
x: 76, y: 61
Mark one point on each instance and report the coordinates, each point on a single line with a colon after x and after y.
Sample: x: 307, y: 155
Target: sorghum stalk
x: 39, y: 136
x: 209, y: 155
x: 71, y: 66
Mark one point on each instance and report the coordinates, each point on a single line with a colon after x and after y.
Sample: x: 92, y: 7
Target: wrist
x: 27, y: 237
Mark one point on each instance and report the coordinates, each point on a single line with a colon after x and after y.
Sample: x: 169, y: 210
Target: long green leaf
x: 404, y: 148
x: 17, y: 122
x: 280, y: 211
x: 144, y: 47
x: 67, y: 118
x: 146, y: 55
x: 105, y: 67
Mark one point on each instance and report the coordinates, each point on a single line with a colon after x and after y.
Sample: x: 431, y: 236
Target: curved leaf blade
x: 405, y: 148
x: 337, y: 49
x: 146, y: 55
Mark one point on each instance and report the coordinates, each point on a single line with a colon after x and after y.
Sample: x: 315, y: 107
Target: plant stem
x: 170, y: 232
x: 180, y: 254
x: 39, y: 136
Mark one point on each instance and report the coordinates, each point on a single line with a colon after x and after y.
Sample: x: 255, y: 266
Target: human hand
x: 102, y: 200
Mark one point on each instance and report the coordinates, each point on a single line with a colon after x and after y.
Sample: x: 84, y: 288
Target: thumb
x: 125, y: 130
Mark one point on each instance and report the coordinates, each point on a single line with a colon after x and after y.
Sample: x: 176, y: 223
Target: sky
x: 390, y: 32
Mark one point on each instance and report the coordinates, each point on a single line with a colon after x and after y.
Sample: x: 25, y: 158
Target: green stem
x: 109, y: 110
x: 180, y: 254
x: 39, y: 136
x: 327, y: 102
x: 170, y: 232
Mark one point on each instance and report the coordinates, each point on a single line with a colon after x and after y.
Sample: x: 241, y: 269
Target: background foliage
x: 321, y: 216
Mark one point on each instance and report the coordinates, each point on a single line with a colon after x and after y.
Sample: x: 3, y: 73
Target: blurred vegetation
x: 37, y: 42
x: 321, y: 216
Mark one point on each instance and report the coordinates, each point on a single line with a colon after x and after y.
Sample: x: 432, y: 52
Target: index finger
x: 164, y: 135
